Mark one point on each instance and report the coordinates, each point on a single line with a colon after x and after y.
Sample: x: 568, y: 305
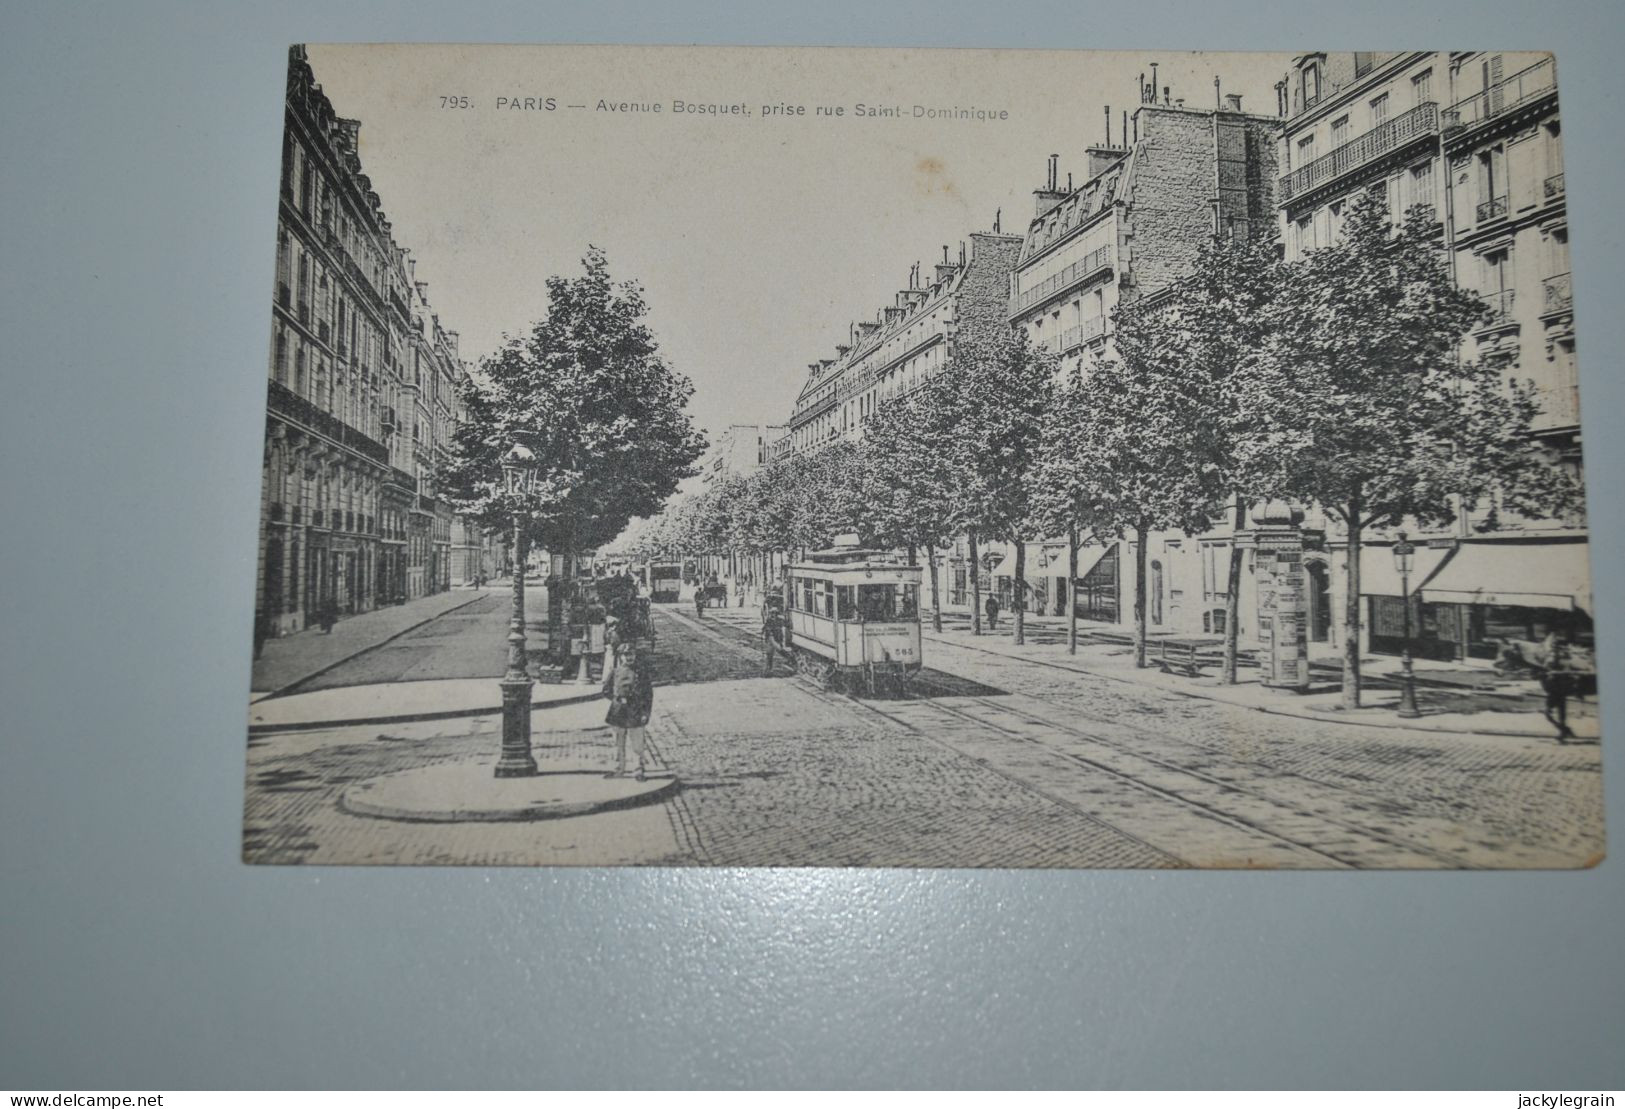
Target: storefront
x: 1508, y: 590
x: 1434, y: 631
x: 1471, y: 597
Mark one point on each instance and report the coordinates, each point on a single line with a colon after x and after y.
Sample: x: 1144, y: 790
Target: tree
x: 1139, y: 429
x: 589, y: 393
x: 1068, y: 497
x: 994, y: 395
x: 910, y: 477
x: 1198, y: 337
x: 1360, y: 399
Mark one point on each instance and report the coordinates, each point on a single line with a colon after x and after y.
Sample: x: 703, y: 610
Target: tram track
x: 1212, y: 782
x: 1337, y: 843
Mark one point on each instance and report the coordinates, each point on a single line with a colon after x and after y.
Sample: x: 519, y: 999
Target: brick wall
x: 983, y: 300
x: 1185, y: 158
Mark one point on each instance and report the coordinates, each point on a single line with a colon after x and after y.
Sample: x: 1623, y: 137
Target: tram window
x: 826, y: 599
x: 845, y: 608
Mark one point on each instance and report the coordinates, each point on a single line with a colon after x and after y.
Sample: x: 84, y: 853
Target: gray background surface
x: 138, y: 178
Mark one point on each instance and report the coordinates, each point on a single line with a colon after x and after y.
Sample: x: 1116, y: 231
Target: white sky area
x: 757, y: 240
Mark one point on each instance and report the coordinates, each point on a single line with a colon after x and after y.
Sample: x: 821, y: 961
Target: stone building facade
x: 362, y: 390
x: 742, y: 449
x: 1474, y: 140
x: 906, y: 342
x: 1177, y: 177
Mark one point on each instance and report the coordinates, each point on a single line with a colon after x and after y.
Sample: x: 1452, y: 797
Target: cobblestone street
x: 995, y: 761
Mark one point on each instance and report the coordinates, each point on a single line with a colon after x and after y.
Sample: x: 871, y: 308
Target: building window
x: 1492, y: 183
x: 1340, y: 131
x: 1422, y: 87
x: 1306, y: 150
x: 1362, y: 62
x: 1379, y: 109
x: 1421, y: 186
x: 1309, y: 87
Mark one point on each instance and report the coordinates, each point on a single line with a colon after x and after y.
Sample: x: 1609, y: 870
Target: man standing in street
x: 992, y: 608
x: 773, y: 629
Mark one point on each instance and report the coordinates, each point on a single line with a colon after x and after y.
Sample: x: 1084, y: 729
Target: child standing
x: 629, y: 685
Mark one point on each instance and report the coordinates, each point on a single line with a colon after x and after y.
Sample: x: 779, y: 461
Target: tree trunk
x: 936, y: 602
x: 1351, y: 607
x: 1021, y: 591
x: 913, y: 555
x: 1232, y: 599
x: 975, y: 586
x: 1072, y: 591
x: 1141, y: 541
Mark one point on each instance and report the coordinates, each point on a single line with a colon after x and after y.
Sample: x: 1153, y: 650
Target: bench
x: 1184, y: 653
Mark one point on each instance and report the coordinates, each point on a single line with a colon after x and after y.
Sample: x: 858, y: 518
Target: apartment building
x: 1474, y: 141
x: 362, y: 390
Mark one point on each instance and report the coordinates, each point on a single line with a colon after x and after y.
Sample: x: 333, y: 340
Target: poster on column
x: 858, y: 458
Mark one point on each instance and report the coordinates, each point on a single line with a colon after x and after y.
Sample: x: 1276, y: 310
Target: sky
x: 757, y: 237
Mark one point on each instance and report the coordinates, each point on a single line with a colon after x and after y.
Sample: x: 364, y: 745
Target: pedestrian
x: 1558, y: 684
x: 774, y: 626
x: 328, y: 615
x: 629, y: 685
x: 991, y: 607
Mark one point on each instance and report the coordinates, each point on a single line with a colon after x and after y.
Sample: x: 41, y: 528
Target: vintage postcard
x: 922, y: 458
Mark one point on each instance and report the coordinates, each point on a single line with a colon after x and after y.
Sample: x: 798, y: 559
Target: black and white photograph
x: 838, y: 457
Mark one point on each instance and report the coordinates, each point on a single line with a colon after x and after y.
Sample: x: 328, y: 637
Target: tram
x: 665, y: 582
x: 854, y: 618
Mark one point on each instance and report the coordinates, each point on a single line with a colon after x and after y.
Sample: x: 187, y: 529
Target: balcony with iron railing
x: 1074, y: 337
x: 1084, y: 268
x: 1559, y: 295
x: 1497, y: 309
x: 1421, y: 122
x: 1523, y: 87
x: 1493, y: 208
x: 1554, y: 186
x: 284, y: 402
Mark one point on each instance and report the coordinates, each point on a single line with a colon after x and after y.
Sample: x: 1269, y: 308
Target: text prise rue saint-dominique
x: 736, y: 109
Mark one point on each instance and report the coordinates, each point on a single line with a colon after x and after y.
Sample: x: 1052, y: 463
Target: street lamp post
x: 518, y: 478
x: 1404, y: 554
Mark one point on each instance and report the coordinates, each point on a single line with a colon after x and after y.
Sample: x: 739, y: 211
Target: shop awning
x: 1521, y: 575
x: 1378, y: 578
x: 1088, y: 555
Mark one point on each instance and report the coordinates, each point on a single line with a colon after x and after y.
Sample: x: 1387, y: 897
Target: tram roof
x: 878, y: 570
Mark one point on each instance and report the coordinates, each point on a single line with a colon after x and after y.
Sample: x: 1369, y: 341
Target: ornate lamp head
x: 519, y: 471
x: 1404, y: 554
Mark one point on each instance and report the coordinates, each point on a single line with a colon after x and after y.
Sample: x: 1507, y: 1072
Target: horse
x: 705, y: 594
x: 1562, y: 669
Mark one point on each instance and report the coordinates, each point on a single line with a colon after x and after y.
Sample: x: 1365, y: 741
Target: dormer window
x: 1309, y: 87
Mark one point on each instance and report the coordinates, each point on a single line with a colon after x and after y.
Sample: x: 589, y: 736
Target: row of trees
x: 588, y: 392
x: 1337, y: 380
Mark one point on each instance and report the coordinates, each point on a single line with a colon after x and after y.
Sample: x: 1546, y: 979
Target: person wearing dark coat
x: 629, y: 685
x: 992, y: 608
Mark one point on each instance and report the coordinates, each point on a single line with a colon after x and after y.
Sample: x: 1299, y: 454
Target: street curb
x: 1198, y: 695
x: 314, y: 674
x: 414, y: 717
x: 358, y: 806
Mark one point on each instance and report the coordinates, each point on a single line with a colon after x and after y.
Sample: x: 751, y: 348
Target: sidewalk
x: 1498, y: 707
x: 399, y: 702
x: 287, y: 661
